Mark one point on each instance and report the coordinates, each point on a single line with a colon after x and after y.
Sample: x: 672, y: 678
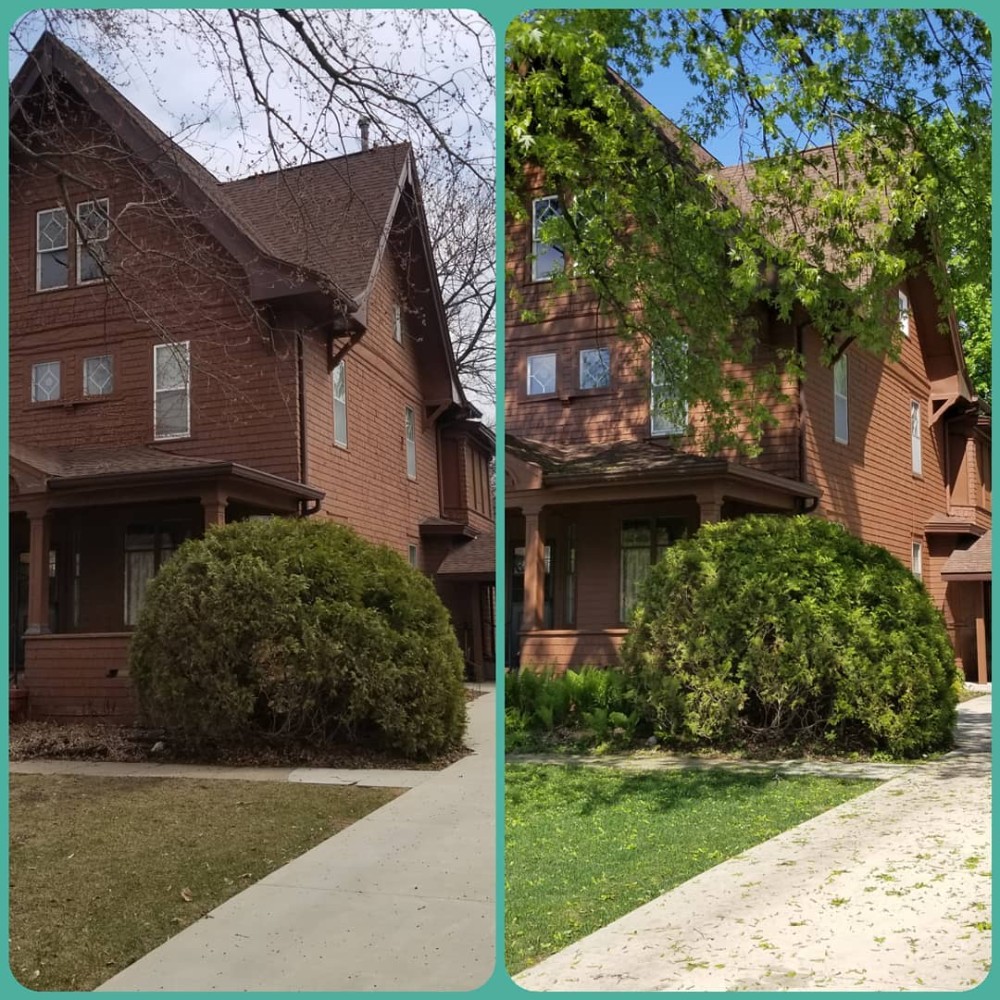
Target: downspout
x: 306, y: 507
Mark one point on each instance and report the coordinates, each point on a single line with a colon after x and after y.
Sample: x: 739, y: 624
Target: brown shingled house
x: 600, y: 480
x: 186, y: 352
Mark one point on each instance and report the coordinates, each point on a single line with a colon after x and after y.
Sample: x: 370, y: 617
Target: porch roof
x: 473, y: 560
x: 102, y: 466
x: 638, y: 460
x: 973, y: 563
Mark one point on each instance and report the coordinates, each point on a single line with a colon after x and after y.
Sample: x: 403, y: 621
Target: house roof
x: 474, y: 559
x: 637, y: 459
x: 973, y: 563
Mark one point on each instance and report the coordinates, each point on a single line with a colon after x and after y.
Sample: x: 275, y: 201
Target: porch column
x: 981, y: 635
x: 38, y: 573
x: 710, y: 506
x: 214, y: 507
x: 534, y: 572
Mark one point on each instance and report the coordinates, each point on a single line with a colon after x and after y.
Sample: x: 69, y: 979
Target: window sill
x: 168, y: 440
x: 540, y: 397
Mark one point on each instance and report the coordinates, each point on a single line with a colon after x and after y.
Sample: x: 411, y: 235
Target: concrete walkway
x: 888, y: 891
x: 404, y: 899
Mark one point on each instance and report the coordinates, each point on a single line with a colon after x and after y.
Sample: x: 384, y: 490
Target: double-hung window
x: 917, y: 459
x: 547, y: 259
x: 340, y: 404
x: 52, y: 244
x: 667, y: 413
x: 409, y: 425
x: 595, y: 368
x: 642, y: 543
x: 171, y: 390
x: 92, y: 229
x: 904, y: 313
x: 840, y: 417
x: 541, y: 374
x: 46, y: 381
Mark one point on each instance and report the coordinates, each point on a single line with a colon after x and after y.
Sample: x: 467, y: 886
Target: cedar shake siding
x: 260, y: 304
x: 593, y: 496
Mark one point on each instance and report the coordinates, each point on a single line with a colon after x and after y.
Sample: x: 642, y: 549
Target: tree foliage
x: 902, y: 96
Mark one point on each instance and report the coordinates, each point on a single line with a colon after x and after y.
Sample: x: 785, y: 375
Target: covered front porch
x: 582, y: 534
x: 88, y: 531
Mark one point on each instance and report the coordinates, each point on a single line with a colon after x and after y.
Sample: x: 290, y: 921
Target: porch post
x: 981, y: 635
x: 214, y: 507
x: 38, y: 573
x: 710, y: 506
x: 534, y: 572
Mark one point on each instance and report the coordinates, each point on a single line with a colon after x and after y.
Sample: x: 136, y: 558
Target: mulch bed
x: 132, y: 745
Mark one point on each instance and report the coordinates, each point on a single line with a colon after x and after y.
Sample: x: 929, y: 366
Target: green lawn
x: 584, y: 846
x: 103, y: 870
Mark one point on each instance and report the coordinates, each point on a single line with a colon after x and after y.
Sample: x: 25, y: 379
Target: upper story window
x: 93, y: 227
x: 339, y: 379
x: 46, y: 381
x: 397, y: 323
x: 52, y: 266
x: 541, y: 374
x: 172, y: 390
x: 98, y: 375
x: 546, y: 258
x: 840, y: 418
x: 409, y: 425
x: 667, y: 413
x: 904, y: 313
x: 917, y: 457
x: 595, y: 368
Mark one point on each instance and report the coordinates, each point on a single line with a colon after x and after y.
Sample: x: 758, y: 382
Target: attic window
x: 547, y: 259
x: 52, y: 266
x: 904, y: 313
x: 92, y: 231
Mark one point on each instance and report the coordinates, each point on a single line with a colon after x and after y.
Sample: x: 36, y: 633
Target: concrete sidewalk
x: 888, y: 891
x: 404, y: 899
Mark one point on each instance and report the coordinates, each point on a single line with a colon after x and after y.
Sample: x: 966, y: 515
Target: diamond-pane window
x: 409, y: 424
x: 45, y: 382
x: 340, y: 405
x: 98, y: 376
x: 93, y: 227
x: 53, y: 250
x: 546, y: 258
x: 541, y: 374
x: 595, y: 368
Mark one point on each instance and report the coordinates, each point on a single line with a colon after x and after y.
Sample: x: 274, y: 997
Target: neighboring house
x: 600, y: 478
x: 185, y: 353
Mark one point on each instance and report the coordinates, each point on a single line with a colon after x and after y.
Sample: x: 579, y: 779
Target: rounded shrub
x: 298, y: 628
x: 791, y: 630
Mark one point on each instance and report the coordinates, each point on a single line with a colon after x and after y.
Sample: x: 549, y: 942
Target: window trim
x: 916, y: 438
x: 536, y: 242
x: 593, y: 350
x: 342, y: 365
x: 80, y: 246
x: 904, y: 312
x: 555, y: 374
x: 111, y: 368
x: 410, y: 436
x: 186, y: 345
x: 38, y: 364
x: 39, y: 251
x: 845, y: 396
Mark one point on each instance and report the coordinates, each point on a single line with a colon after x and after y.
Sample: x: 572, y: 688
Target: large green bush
x: 298, y: 628
x: 790, y: 629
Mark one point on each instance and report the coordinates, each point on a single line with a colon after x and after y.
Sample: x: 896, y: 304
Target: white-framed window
x: 840, y: 414
x: 339, y: 380
x: 541, y: 374
x: 98, y: 375
x: 917, y: 559
x: 595, y: 368
x: 667, y: 413
x: 52, y: 249
x: 46, y: 381
x: 412, y: 555
x: 147, y: 548
x: 409, y: 426
x: 172, y: 390
x: 397, y: 322
x: 642, y: 542
x: 915, y: 450
x: 93, y: 228
x: 546, y: 258
x: 904, y: 313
